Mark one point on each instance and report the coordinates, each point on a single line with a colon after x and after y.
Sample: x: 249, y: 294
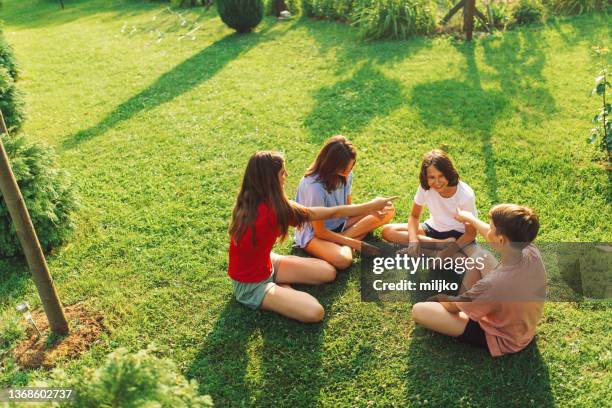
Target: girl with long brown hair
x: 262, y: 214
x: 328, y: 183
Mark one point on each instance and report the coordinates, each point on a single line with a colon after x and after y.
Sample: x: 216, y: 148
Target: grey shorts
x: 252, y: 294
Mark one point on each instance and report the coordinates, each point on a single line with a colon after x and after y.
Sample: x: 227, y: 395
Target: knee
x: 342, y: 260
x: 387, y: 232
x: 313, y: 314
x: 328, y: 272
x: 389, y: 215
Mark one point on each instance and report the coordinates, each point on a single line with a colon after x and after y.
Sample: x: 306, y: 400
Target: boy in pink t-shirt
x: 499, y: 311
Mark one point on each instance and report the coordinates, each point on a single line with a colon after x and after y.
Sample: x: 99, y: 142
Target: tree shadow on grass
x: 467, y: 106
x: 190, y: 73
x: 349, y: 105
x: 263, y: 359
x: 440, y: 369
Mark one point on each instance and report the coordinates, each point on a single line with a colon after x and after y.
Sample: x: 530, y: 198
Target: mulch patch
x: 42, y: 352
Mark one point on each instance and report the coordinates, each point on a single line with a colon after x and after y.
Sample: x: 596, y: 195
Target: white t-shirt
x: 443, y: 210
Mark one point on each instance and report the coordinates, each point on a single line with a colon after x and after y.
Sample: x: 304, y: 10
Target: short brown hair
x: 442, y: 162
x: 518, y: 223
x: 334, y: 157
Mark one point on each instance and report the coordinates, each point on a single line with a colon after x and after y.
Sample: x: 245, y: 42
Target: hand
x: 465, y: 217
x: 379, y: 203
x: 383, y: 213
x: 450, y: 239
x: 368, y: 249
x: 412, y: 249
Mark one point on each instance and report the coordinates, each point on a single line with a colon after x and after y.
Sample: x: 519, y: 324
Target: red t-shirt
x: 249, y: 263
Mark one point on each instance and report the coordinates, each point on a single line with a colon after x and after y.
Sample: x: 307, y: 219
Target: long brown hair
x: 443, y: 163
x: 261, y: 184
x: 334, y: 157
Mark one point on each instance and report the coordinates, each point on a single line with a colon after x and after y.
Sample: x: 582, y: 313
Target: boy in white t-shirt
x: 442, y: 193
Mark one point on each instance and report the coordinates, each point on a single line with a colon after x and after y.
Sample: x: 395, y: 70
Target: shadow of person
x: 440, y: 369
x: 190, y: 73
x: 257, y: 358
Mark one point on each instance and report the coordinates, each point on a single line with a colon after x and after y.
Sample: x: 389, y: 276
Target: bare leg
x: 398, y: 233
x: 340, y: 256
x: 360, y: 226
x: 481, y: 257
x: 434, y: 316
x: 293, y: 304
x: 296, y: 269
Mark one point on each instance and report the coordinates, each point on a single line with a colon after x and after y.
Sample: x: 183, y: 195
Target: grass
x: 157, y: 135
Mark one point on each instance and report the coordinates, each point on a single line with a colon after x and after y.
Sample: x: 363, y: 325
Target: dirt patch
x: 45, y: 351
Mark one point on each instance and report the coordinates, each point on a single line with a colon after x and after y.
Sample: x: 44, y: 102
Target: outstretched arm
x: 323, y: 213
x: 468, y: 218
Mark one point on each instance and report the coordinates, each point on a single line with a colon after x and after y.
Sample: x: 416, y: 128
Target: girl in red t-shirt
x: 262, y: 214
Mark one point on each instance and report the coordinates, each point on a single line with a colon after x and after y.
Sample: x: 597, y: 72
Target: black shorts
x: 432, y: 233
x: 474, y: 335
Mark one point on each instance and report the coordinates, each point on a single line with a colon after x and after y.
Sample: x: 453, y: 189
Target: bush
x: 527, y: 12
x: 132, y: 380
x: 48, y: 194
x: 570, y: 7
x: 241, y: 15
x: 500, y: 14
x: 341, y: 10
x: 11, y: 100
x: 395, y: 19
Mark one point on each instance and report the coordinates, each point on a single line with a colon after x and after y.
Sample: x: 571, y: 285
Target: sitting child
x: 441, y: 192
x: 501, y: 310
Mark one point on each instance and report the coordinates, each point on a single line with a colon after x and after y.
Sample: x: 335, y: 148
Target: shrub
x: 601, y: 133
x: 11, y: 100
x: 241, y: 15
x: 48, y: 194
x: 293, y: 6
x: 395, y: 19
x: 527, y: 12
x: 569, y: 7
x: 500, y: 14
x: 341, y: 10
x: 132, y: 380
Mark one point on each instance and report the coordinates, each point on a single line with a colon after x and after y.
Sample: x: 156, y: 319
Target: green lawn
x: 157, y: 136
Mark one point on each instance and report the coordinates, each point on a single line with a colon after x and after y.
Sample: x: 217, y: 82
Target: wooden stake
x: 29, y: 242
x: 468, y: 18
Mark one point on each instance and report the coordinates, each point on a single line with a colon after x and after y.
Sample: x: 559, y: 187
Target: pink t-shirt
x: 508, y: 303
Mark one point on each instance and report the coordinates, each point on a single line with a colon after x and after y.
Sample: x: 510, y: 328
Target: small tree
x: 11, y: 99
x: 241, y: 15
x: 602, y: 132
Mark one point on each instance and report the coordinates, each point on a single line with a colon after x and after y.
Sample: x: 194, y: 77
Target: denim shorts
x: 251, y: 294
x: 432, y: 233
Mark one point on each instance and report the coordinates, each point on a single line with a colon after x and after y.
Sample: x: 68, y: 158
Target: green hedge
x: 48, y: 193
x: 377, y: 19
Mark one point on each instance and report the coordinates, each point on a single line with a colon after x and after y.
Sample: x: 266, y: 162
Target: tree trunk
x: 468, y: 18
x: 29, y: 242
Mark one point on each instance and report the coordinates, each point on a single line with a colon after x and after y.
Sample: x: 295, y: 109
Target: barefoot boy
x: 500, y: 311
